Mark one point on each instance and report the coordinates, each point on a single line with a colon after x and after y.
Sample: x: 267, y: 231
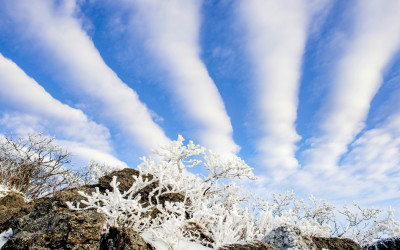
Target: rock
x: 125, y: 238
x: 192, y: 229
x: 383, y: 244
x: 124, y: 177
x: 10, y: 206
x: 289, y: 237
x: 257, y: 245
x: 47, y: 225
x: 73, y: 196
x: 335, y: 243
x: 12, y: 200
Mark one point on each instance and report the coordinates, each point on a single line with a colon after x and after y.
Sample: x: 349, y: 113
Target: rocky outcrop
x: 46, y: 225
x: 384, y: 244
x: 73, y: 196
x: 258, y: 245
x: 289, y: 237
x: 335, y: 243
x: 125, y: 238
x: 10, y: 207
x: 124, y: 177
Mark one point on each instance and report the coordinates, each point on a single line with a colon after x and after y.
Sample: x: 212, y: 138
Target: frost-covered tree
x: 205, y: 198
x: 214, y: 210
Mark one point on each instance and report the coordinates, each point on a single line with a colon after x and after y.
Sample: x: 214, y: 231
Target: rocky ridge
x: 49, y: 224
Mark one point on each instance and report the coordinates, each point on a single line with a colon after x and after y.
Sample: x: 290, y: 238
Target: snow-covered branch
x: 213, y: 210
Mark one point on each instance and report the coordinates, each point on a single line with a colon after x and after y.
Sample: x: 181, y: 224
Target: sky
x: 306, y: 92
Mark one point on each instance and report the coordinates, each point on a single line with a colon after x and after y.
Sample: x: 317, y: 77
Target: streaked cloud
x: 375, y: 154
x: 368, y: 173
x: 374, y: 40
x: 54, y: 27
x: 171, y: 30
x: 36, y: 110
x: 87, y: 153
x: 351, y: 60
x: 276, y: 38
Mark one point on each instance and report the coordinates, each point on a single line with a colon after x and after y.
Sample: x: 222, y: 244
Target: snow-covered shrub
x: 214, y: 210
x: 321, y: 218
x: 121, y: 210
x: 205, y: 200
x: 364, y: 225
x: 91, y: 173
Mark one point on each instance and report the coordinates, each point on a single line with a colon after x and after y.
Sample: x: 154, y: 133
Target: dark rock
x: 171, y: 197
x: 384, y: 244
x: 124, y: 177
x: 124, y: 238
x: 193, y: 229
x: 335, y: 243
x: 287, y: 237
x: 72, y: 195
x: 257, y: 245
x: 10, y: 206
x: 47, y: 225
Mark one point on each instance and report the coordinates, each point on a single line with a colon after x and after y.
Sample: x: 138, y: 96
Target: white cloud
x: 172, y: 32
x: 36, y: 110
x: 358, y: 76
x: 87, y: 154
x: 376, y: 154
x: 369, y: 172
x: 55, y: 28
x: 276, y: 37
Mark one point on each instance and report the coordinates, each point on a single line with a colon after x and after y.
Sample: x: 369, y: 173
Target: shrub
x: 216, y: 211
x: 35, y: 166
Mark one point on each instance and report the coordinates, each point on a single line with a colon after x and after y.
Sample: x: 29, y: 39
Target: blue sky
x: 306, y: 92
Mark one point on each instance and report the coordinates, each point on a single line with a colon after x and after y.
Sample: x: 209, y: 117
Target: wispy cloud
x: 375, y: 154
x: 374, y: 40
x: 172, y: 34
x: 87, y: 153
x: 36, y: 110
x: 52, y: 25
x: 368, y: 173
x: 276, y: 38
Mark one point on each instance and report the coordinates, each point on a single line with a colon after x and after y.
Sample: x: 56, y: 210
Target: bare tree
x: 35, y: 165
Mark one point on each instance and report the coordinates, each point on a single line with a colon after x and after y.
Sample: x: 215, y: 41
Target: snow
x: 180, y: 245
x: 4, y: 190
x: 4, y: 236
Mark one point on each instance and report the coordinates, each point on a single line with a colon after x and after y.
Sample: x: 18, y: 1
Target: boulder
x: 124, y: 177
x: 72, y: 195
x: 124, y: 238
x: 335, y: 243
x: 10, y: 206
x: 257, y: 245
x: 47, y: 225
x: 289, y: 237
x: 383, y: 244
